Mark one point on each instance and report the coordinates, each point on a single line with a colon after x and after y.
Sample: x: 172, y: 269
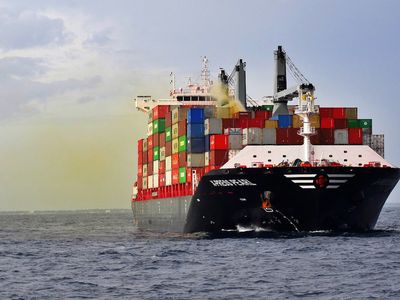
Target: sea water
x: 101, y: 255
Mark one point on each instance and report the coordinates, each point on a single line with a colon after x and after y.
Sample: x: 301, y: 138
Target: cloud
x: 21, y: 67
x: 100, y: 38
x: 29, y: 29
x: 19, y: 85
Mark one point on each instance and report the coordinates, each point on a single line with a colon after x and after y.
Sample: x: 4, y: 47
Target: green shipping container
x: 158, y: 126
x: 156, y: 153
x: 182, y: 143
x: 168, y: 134
x: 352, y: 123
x: 267, y: 107
x: 365, y: 123
x: 182, y: 175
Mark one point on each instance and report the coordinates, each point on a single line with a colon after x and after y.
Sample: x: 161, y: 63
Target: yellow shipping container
x: 175, y: 146
x: 315, y: 121
x: 223, y: 112
x: 350, y: 112
x: 175, y: 134
x: 178, y: 114
x: 298, y: 122
x: 271, y: 124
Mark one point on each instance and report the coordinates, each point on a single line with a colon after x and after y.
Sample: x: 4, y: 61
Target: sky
x: 70, y: 69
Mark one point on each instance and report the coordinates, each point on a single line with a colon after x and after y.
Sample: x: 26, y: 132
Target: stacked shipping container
x: 184, y: 140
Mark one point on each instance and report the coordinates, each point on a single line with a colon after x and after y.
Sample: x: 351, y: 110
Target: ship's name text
x: 232, y: 182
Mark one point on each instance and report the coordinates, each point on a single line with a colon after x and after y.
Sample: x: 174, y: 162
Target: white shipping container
x: 155, y: 181
x: 162, y: 153
x: 235, y: 142
x: 252, y: 136
x: 168, y: 163
x: 144, y: 182
x: 209, y: 111
x: 232, y: 153
x: 212, y: 126
x: 150, y: 181
x: 144, y: 170
x: 207, y: 158
x: 341, y: 137
x: 155, y: 166
x: 168, y: 177
x: 269, y: 136
x: 232, y: 131
x: 195, y: 160
x: 149, y: 129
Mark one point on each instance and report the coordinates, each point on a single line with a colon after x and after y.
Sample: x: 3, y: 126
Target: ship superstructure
x: 215, y: 159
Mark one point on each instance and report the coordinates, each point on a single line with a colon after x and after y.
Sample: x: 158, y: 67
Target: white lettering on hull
x: 232, y: 182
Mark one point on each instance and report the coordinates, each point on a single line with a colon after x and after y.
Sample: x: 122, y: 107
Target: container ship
x: 215, y: 159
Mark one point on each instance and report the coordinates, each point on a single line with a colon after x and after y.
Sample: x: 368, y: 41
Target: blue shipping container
x: 207, y: 143
x: 285, y: 121
x: 195, y: 115
x: 195, y: 145
x: 195, y: 130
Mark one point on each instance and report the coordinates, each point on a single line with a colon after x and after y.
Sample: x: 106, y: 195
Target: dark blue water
x: 100, y: 255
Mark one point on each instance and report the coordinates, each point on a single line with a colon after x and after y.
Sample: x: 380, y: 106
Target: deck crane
x: 282, y: 94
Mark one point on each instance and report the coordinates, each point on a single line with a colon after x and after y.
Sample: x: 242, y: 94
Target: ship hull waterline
x: 275, y: 199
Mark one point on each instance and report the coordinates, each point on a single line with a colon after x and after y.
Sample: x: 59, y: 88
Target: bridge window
x: 284, y: 155
x: 179, y: 98
x: 186, y: 98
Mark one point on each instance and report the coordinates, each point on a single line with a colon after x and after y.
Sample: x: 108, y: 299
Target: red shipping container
x: 327, y: 123
x: 150, y: 169
x: 293, y: 137
x: 156, y: 140
x: 150, y: 156
x: 199, y: 174
x: 315, y: 139
x: 139, y: 182
x: 326, y: 136
x: 242, y: 115
x: 168, y: 148
x: 162, y: 139
x: 218, y: 157
x: 182, y: 159
x: 168, y: 120
x: 140, y: 145
x: 258, y: 123
x: 340, y: 123
x: 243, y: 122
x: 175, y: 161
x: 160, y: 111
x: 325, y: 112
x: 282, y: 136
x: 140, y: 158
x: 228, y: 123
x: 145, y: 158
x: 175, y: 176
x: 355, y: 136
x: 263, y: 114
x: 219, y: 142
x: 150, y: 142
x: 161, y: 167
x: 161, y: 179
x: 339, y: 112
x: 182, y: 127
x: 140, y: 170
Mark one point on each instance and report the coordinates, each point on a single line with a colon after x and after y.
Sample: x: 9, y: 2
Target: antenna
x: 205, y: 72
x: 172, y: 82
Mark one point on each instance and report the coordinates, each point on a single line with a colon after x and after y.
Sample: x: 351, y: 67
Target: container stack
x: 185, y: 142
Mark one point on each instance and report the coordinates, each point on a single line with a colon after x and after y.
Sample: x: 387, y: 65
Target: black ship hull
x: 290, y: 199
x: 298, y: 199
